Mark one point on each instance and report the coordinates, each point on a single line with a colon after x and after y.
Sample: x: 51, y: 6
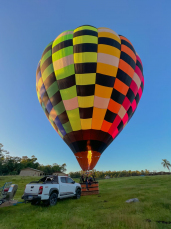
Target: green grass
x: 106, y: 210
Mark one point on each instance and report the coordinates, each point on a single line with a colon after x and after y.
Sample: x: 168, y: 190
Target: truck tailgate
x: 32, y: 189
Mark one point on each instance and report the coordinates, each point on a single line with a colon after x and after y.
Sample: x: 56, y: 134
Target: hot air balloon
x: 89, y: 82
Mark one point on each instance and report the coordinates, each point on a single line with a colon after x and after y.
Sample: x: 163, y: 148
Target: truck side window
x: 63, y: 180
x: 69, y: 180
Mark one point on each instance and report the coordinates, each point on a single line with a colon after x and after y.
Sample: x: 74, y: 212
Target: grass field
x: 106, y: 210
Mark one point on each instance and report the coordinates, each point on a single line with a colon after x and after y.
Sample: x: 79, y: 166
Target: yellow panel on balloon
x: 86, y: 123
x: 86, y: 101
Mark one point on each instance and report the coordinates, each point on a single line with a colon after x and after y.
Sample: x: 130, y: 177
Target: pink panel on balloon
x: 133, y: 105
x: 125, y: 118
x: 138, y: 71
x: 126, y: 103
x: 134, y: 87
x: 115, y: 133
x: 114, y: 125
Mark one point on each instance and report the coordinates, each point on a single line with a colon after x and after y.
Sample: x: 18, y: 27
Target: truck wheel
x: 53, y: 199
x: 78, y: 194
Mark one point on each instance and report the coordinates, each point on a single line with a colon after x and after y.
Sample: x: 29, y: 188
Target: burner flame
x: 89, y: 157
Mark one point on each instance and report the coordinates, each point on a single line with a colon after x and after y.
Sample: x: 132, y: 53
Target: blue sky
x: 26, y: 27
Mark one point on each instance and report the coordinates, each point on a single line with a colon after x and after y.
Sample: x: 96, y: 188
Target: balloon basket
x: 93, y: 189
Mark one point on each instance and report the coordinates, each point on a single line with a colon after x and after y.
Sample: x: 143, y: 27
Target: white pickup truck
x: 50, y: 188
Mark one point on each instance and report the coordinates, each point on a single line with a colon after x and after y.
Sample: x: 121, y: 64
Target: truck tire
x: 53, y: 199
x: 78, y: 193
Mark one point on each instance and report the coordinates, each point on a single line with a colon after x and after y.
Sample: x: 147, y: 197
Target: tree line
x: 111, y: 174
x: 10, y: 165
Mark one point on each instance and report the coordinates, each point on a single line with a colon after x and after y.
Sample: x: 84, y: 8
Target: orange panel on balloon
x: 106, y: 126
x: 114, y: 106
x: 82, y: 158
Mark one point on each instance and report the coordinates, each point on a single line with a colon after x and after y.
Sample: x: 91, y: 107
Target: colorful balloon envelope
x: 89, y: 82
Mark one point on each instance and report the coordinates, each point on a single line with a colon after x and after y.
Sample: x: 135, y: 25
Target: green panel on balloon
x: 74, y: 118
x: 47, y: 72
x: 67, y: 127
x: 59, y: 108
x: 61, y: 53
x: 52, y: 89
x: 68, y: 93
x: 84, y: 27
x: 65, y: 72
x: 48, y: 54
x: 63, y: 38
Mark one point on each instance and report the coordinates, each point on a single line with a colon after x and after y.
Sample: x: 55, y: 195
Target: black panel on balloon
x: 109, y: 41
x: 49, y: 80
x: 62, y: 45
x: 85, y: 32
x: 66, y: 82
x: 97, y: 145
x: 56, y: 98
x: 137, y: 98
x: 47, y: 49
x: 47, y: 62
x: 63, y: 117
x: 86, y: 112
x: 142, y: 86
x: 129, y: 112
x: 85, y: 47
x: 130, y: 95
x: 117, y: 96
x: 108, y: 139
x: 85, y: 90
x: 78, y: 135
x: 120, y: 126
x: 85, y: 68
x: 123, y: 42
x: 128, y: 59
x: 80, y: 146
x: 110, y: 116
x: 66, y: 139
x: 105, y: 80
x: 122, y: 76
x: 74, y: 148
x: 139, y: 65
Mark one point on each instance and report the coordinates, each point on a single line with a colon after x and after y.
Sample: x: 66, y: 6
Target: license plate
x: 30, y: 197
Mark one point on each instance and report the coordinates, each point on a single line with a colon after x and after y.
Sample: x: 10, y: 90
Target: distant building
x: 59, y: 174
x: 107, y: 177
x: 31, y: 172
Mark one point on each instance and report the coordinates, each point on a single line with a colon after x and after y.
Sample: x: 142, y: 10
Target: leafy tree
x: 13, y: 165
x: 166, y: 164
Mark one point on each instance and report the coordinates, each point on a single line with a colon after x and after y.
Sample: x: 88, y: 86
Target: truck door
x: 63, y: 187
x: 71, y: 186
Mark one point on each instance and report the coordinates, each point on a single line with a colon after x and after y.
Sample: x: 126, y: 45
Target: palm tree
x: 166, y: 163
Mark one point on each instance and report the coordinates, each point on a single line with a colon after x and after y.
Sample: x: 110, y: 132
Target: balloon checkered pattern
x: 89, y: 82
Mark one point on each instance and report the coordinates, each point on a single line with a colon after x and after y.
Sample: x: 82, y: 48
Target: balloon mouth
x: 87, y: 159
